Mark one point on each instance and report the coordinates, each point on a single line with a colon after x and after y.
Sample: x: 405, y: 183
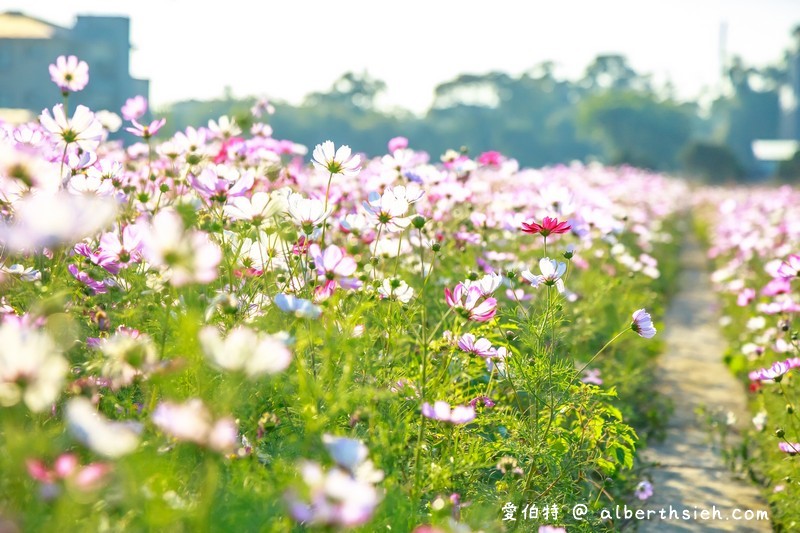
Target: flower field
x: 755, y: 236
x: 223, y: 330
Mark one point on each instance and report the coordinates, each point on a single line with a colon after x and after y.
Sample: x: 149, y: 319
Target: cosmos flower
x: 326, y: 158
x: 190, y: 256
x: 792, y: 448
x: 642, y: 324
x: 134, y: 108
x: 82, y: 129
x: 552, y: 271
x: 791, y: 267
x: 191, y: 421
x: 592, y: 376
x: 465, y: 300
x: 644, y: 490
x: 108, y: 438
x: 307, y: 213
x: 146, y: 131
x: 440, y: 410
x: 396, y: 289
x: 245, y: 350
x: 70, y: 74
x: 548, y: 226
x: 257, y: 209
x: 481, y: 347
x: 32, y: 369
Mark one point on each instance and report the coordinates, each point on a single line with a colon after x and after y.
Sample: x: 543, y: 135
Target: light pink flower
x: 791, y: 267
x: 134, y: 108
x: 70, y: 74
x: 145, y: 131
x: 466, y: 301
x: 481, y: 347
x: 440, y: 410
x: 643, y: 325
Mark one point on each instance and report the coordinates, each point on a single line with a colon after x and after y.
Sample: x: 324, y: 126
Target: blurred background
x: 705, y: 89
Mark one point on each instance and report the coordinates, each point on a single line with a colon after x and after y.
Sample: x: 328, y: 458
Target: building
x: 29, y: 45
x: 790, y: 92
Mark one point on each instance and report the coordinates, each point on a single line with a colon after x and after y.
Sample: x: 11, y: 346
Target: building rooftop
x: 15, y: 25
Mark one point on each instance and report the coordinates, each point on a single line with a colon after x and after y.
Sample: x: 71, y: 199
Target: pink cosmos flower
x: 66, y: 467
x: 69, y: 74
x: 491, y: 158
x: 552, y: 529
x: 460, y: 414
x: 483, y: 400
x: 98, y: 287
x: 134, y: 108
x: 115, y: 254
x: 218, y: 184
x: 791, y: 267
x: 792, y: 448
x: 397, y: 143
x: 643, y: 324
x: 466, y: 301
x: 145, y: 131
x: 547, y: 227
x: 773, y: 373
x: 592, y: 375
x: 745, y: 297
x: 643, y: 490
x: 332, y: 263
x: 481, y: 347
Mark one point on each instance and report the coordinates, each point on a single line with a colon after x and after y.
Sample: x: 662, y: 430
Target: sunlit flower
x: 31, y: 367
x: 245, y: 350
x: 106, y: 437
x: 70, y: 74
x: 481, y: 347
x: 548, y: 226
x: 466, y: 301
x: 190, y: 255
x: 488, y: 283
x: 298, y: 306
x: 97, y: 287
x: 257, y: 209
x: 388, y: 210
x: 306, y: 212
x: 552, y: 271
x: 338, y: 162
x: 440, y: 410
x: 115, y: 254
x: 791, y: 267
x: 792, y: 448
x: 134, y: 108
x: 396, y: 289
x: 643, y: 324
x: 760, y: 420
x: 225, y: 127
x: 145, y: 131
x: 82, y: 129
x: 191, y: 421
x: 127, y: 354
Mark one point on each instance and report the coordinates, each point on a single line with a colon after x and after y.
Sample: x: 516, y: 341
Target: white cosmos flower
x: 48, y: 220
x: 257, y: 208
x: 552, y: 271
x: 244, y: 350
x: 326, y: 158
x: 31, y: 367
x: 106, y: 437
x: 307, y: 212
x: 82, y: 129
x: 396, y: 289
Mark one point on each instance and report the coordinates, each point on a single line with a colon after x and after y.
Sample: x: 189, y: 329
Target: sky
x: 284, y: 50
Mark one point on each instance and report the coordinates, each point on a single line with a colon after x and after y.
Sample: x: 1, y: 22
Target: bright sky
x: 286, y: 49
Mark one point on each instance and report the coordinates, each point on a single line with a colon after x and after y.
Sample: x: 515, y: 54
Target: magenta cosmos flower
x: 466, y: 301
x: 70, y: 74
x: 548, y: 226
x: 643, y: 325
x: 460, y: 414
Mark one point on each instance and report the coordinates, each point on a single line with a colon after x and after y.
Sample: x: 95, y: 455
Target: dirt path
x: 689, y: 472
